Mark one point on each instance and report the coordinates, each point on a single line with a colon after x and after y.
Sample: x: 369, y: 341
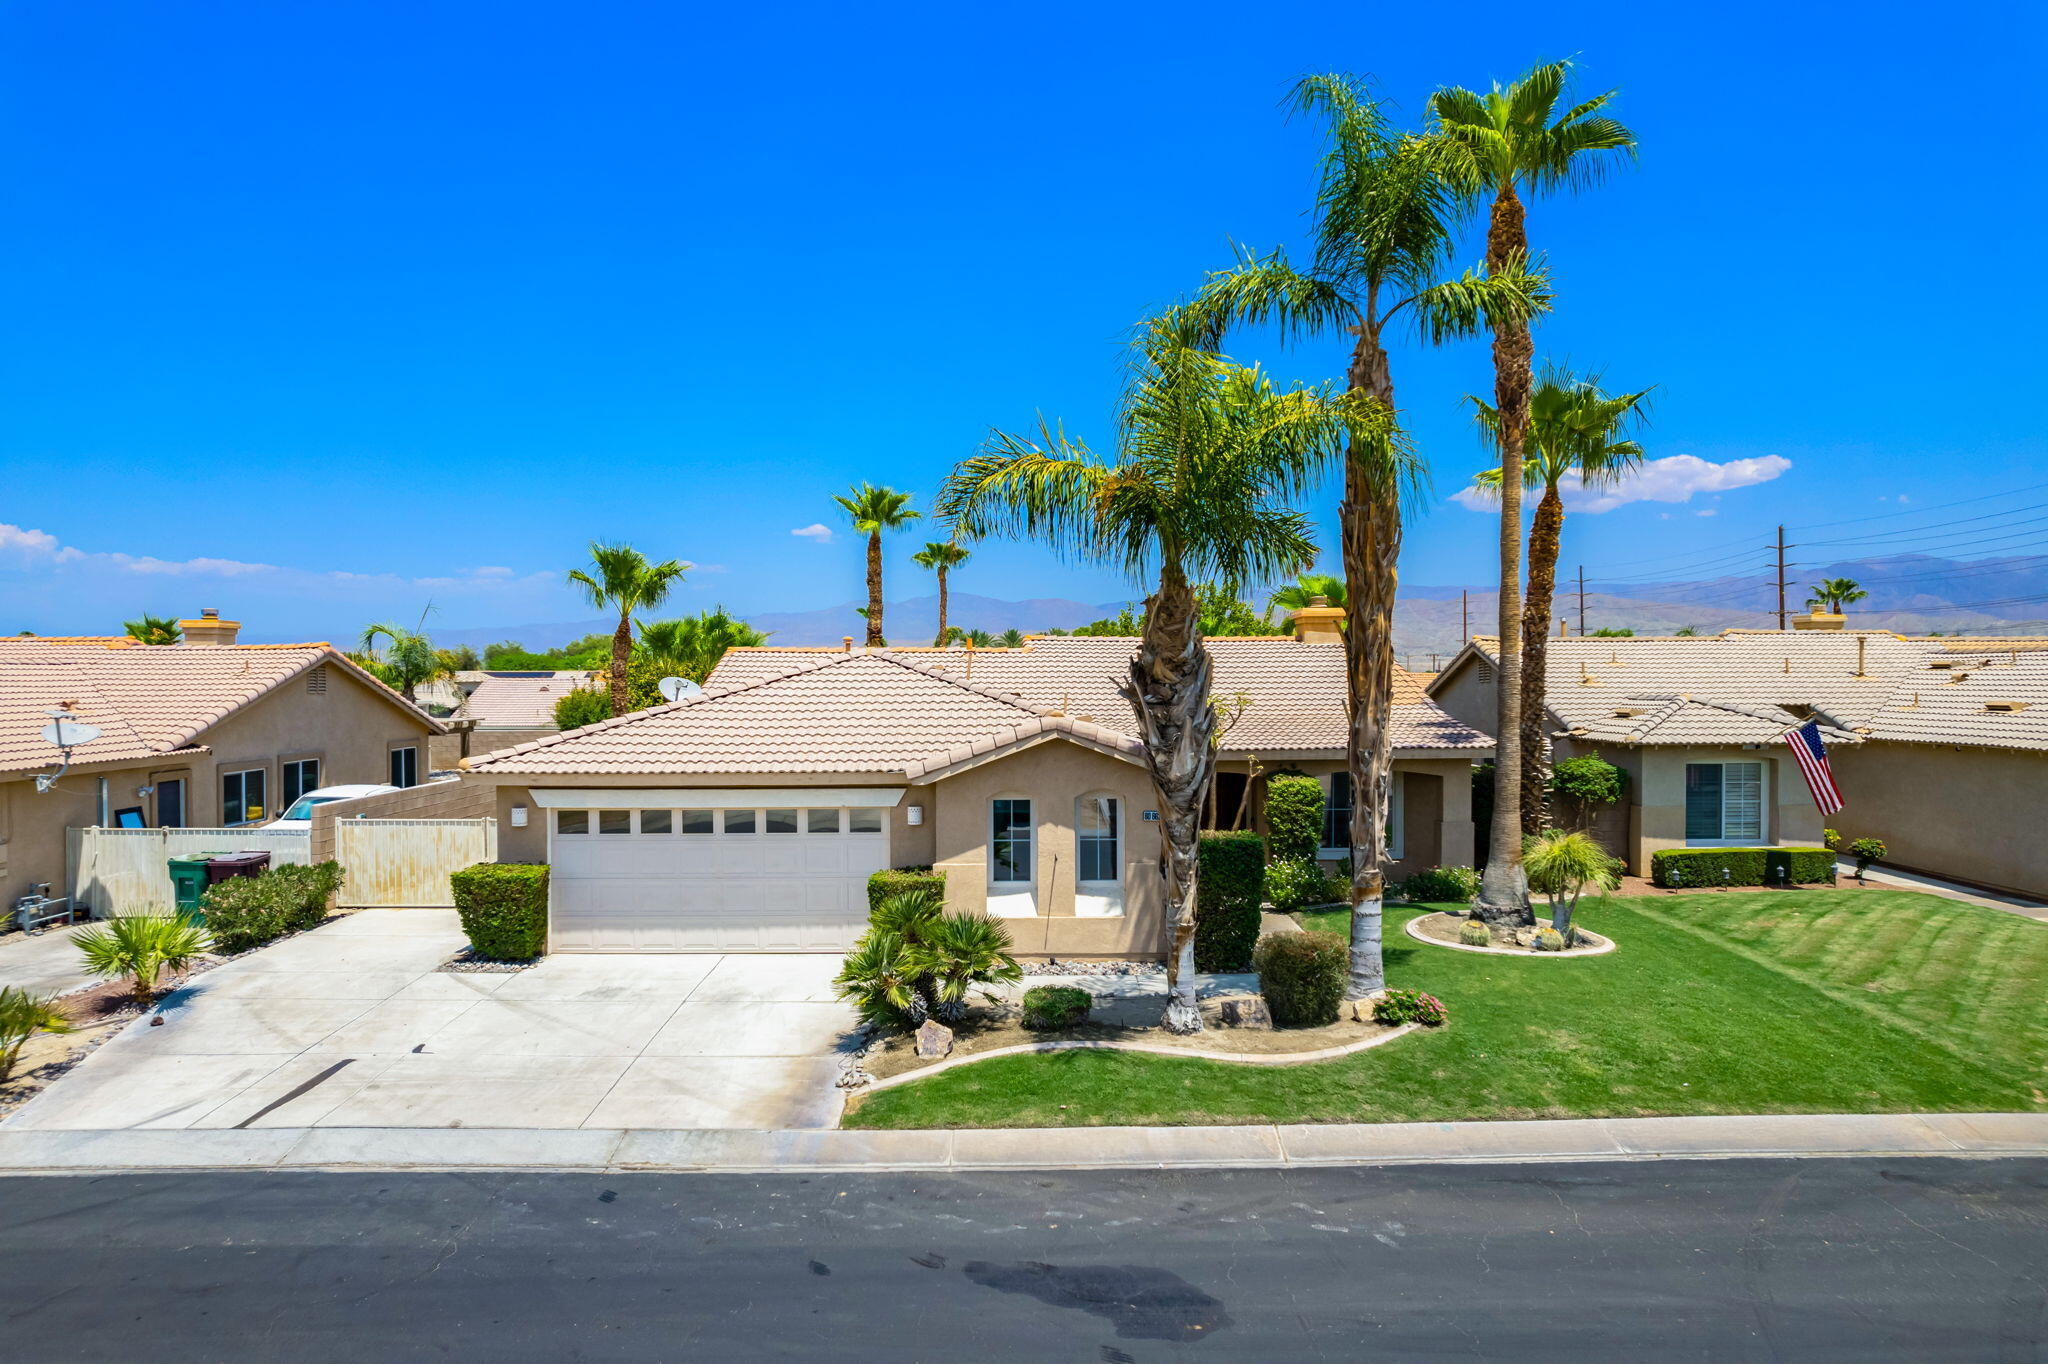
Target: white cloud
x: 1706, y: 511
x: 817, y: 531
x: 491, y: 571
x: 1675, y: 478
x: 35, y: 544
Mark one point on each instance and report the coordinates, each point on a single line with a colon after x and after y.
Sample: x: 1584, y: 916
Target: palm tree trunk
x: 875, y: 590
x: 1168, y: 688
x: 622, y: 650
x: 940, y: 641
x: 1504, y: 891
x: 1544, y: 538
x: 1371, y: 534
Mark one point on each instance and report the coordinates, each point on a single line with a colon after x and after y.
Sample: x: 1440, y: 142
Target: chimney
x: 1317, y: 623
x: 846, y: 644
x: 1819, y: 620
x: 210, y: 629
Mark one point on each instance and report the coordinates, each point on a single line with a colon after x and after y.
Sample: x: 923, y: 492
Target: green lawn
x: 1761, y: 1002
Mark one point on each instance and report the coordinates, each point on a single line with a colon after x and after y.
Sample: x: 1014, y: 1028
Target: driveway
x: 352, y: 1026
x: 43, y: 963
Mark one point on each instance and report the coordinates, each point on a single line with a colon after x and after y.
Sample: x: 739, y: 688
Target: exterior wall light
x: 914, y: 814
x: 519, y: 816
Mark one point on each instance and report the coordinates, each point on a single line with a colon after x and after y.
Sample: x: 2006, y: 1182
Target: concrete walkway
x: 44, y: 963
x: 1136, y: 1148
x: 1933, y: 885
x: 352, y: 1026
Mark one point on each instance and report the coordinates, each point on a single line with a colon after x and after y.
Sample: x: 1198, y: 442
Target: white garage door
x: 720, y: 880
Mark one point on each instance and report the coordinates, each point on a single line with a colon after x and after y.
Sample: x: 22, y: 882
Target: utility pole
x: 1582, y: 601
x: 1781, y: 577
x: 1464, y: 616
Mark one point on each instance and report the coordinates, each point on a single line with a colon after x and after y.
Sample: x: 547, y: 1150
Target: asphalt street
x: 1751, y: 1259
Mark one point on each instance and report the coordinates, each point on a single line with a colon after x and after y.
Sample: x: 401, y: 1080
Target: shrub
x: 1410, y: 1006
x: 243, y: 912
x: 1564, y: 864
x: 1830, y: 840
x: 1866, y: 851
x: 1230, y: 886
x: 1302, y: 976
x: 1588, y: 781
x: 903, y: 880
x: 1055, y: 1006
x: 22, y: 1015
x: 917, y: 961
x: 1548, y: 939
x: 879, y: 980
x: 1677, y: 868
x: 952, y: 952
x: 143, y: 946
x: 1473, y: 933
x: 582, y: 706
x: 1292, y: 884
x: 1440, y: 886
x: 1294, y: 817
x: 504, y: 909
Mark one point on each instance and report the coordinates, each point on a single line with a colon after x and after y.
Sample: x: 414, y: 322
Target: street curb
x: 1887, y: 1136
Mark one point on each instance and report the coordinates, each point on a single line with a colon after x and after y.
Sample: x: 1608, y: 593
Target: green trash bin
x: 188, y: 876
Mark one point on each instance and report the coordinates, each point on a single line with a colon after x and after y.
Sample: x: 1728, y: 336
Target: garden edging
x: 1601, y: 947
x: 1285, y: 1058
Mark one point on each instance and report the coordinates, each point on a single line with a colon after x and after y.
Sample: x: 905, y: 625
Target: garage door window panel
x: 780, y: 821
x: 700, y: 822
x: 821, y: 821
x: 657, y: 821
x: 739, y: 821
x: 572, y: 821
x: 863, y: 821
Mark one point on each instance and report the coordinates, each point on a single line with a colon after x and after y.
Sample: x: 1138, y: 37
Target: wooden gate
x: 406, y: 863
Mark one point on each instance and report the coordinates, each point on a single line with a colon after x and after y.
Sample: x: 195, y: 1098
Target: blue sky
x: 319, y: 313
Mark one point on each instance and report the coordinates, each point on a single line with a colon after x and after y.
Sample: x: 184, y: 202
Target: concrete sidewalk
x: 1147, y: 1148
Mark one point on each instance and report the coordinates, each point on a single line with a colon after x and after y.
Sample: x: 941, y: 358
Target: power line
x: 1918, y: 511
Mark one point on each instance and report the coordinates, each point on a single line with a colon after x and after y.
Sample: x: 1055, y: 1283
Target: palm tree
x: 143, y: 946
x: 1383, y: 241
x: 409, y: 661
x: 941, y: 557
x: 1562, y: 865
x: 153, y: 629
x: 872, y: 511
x: 1833, y: 594
x: 1012, y: 639
x: 22, y: 1015
x: 1304, y: 590
x: 1499, y: 144
x: 692, y: 645
x: 625, y: 582
x: 1572, y: 426
x: 981, y: 639
x: 1209, y: 455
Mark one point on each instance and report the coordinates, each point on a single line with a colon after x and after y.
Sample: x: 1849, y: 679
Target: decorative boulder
x: 933, y: 1040
x: 1244, y: 1011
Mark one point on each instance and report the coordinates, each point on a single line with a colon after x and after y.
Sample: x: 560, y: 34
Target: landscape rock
x: 1244, y: 1011
x: 934, y: 1040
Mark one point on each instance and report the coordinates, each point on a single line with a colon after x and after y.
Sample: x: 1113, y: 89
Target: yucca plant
x: 1562, y: 864
x: 143, y: 946
x: 22, y: 1015
x: 957, y: 951
x: 881, y: 980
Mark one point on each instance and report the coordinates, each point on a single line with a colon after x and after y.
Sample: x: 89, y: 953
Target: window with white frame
x: 1096, y: 830
x: 1724, y: 803
x: 1010, y: 841
x: 242, y: 796
x: 1337, y: 813
x: 405, y: 766
x: 299, y: 776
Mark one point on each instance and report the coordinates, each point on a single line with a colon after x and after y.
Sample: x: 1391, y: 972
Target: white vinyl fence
x: 406, y: 863
x: 122, y: 871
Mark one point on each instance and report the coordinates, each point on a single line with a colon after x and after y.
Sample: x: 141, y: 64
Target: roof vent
x: 1627, y: 712
x: 316, y: 681
x: 2005, y: 707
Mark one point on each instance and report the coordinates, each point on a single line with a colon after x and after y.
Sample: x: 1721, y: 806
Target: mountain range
x: 1913, y: 594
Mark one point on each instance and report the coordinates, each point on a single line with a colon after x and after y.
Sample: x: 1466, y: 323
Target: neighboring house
x: 487, y: 711
x: 206, y: 733
x: 1922, y: 758
x: 750, y: 818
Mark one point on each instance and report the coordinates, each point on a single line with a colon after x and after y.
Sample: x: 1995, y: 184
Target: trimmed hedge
x: 248, y: 911
x: 1676, y: 868
x: 1589, y: 780
x: 903, y: 881
x: 1055, y: 1006
x: 1302, y: 976
x: 1440, y: 886
x: 504, y: 909
x: 1294, y: 817
x: 1229, y: 887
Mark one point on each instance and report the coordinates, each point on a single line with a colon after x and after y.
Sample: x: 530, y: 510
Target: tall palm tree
x: 1209, y: 456
x: 691, y: 646
x: 1834, y: 594
x: 1304, y: 590
x: 872, y: 511
x: 1497, y: 145
x: 941, y: 557
x: 1572, y: 426
x: 153, y: 629
x: 1383, y: 233
x: 624, y: 581
x: 408, y: 661
x: 1012, y: 638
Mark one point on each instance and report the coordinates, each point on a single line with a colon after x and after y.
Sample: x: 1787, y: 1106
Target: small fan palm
x: 956, y: 952
x: 881, y: 980
x: 1834, y: 594
x: 907, y: 914
x: 1304, y: 590
x: 22, y: 1016
x: 692, y: 645
x: 143, y: 946
x: 1563, y: 864
x: 153, y: 629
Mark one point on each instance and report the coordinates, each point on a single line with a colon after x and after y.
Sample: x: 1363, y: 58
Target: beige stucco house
x: 206, y: 733
x: 750, y: 818
x: 1939, y: 746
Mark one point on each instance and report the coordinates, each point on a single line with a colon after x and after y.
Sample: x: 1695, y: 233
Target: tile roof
x: 1297, y: 690
x: 1663, y: 718
x: 870, y: 713
x: 1948, y: 700
x: 145, y: 699
x: 517, y: 702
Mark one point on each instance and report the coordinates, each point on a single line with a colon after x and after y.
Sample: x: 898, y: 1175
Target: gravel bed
x: 1053, y: 966
x: 468, y: 963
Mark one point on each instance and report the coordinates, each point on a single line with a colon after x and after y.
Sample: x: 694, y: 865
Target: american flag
x: 1813, y: 764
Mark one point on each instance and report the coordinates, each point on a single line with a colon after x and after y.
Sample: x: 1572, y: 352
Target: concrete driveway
x: 351, y: 1026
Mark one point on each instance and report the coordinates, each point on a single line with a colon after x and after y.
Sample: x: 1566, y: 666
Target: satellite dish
x: 678, y: 688
x: 65, y: 732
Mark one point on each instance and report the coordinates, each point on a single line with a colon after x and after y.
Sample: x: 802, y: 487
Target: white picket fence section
x: 406, y: 863
x: 123, y: 871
